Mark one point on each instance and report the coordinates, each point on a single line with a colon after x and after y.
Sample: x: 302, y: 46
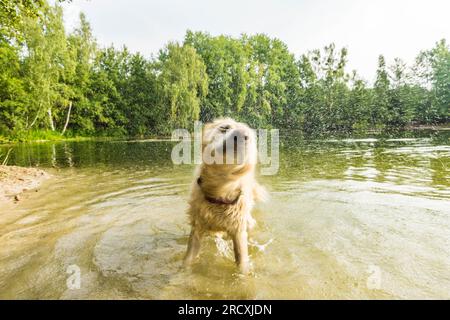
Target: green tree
x: 65, y: 83
x: 401, y: 98
x: 83, y: 49
x: 433, y: 66
x: 183, y: 84
x: 227, y: 64
x: 141, y: 97
x: 357, y: 115
x: 254, y: 79
x: 277, y: 82
x: 48, y: 68
x: 13, y: 13
x: 380, y: 103
x: 12, y: 92
x: 105, y: 114
x: 325, y: 84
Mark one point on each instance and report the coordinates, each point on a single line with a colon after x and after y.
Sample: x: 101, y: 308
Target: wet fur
x: 225, y: 182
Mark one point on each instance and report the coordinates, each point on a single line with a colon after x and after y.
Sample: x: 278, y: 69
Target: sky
x: 395, y: 28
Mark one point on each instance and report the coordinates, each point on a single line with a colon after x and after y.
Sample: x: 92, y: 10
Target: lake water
x: 348, y: 218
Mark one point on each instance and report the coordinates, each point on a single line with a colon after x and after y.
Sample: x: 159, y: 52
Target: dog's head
x: 229, y: 145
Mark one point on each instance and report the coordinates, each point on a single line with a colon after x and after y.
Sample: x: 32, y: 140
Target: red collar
x: 221, y: 201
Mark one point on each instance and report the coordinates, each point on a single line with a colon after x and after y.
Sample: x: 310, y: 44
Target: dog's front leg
x: 193, y: 247
x: 241, y: 250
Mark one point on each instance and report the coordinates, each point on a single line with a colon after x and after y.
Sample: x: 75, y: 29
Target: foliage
x: 182, y: 85
x: 55, y: 84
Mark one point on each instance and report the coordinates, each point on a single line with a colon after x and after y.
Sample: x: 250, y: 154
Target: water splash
x: 224, y: 247
x: 260, y: 247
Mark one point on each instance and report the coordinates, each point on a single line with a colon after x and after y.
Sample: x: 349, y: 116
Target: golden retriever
x: 224, y: 190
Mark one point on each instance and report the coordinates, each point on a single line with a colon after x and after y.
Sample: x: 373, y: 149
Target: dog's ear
x: 260, y: 193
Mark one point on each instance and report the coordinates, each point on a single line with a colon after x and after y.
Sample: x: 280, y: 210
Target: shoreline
x: 411, y: 127
x: 14, y: 181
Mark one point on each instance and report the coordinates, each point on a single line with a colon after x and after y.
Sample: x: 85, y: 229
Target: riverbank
x: 438, y: 127
x: 43, y: 137
x: 16, y: 180
x: 46, y: 135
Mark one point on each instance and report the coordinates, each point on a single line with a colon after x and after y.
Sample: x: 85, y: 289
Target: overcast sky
x: 395, y: 28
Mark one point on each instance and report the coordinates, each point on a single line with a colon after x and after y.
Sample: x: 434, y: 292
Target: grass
x: 5, y: 157
x: 4, y: 139
x: 41, y: 135
x: 48, y: 135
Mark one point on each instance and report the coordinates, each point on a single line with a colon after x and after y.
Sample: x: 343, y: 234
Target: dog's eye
x: 224, y: 128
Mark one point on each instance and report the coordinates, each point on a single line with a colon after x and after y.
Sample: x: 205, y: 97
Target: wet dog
x: 225, y: 190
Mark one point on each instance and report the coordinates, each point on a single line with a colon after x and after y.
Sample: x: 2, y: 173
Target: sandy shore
x: 15, y: 180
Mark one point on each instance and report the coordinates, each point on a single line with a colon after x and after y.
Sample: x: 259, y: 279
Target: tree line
x: 52, y: 80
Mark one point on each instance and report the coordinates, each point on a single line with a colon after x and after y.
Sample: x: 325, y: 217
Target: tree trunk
x: 67, y: 118
x: 50, y: 118
x: 35, y: 118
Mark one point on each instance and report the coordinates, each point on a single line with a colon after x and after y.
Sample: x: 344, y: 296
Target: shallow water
x: 350, y: 218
